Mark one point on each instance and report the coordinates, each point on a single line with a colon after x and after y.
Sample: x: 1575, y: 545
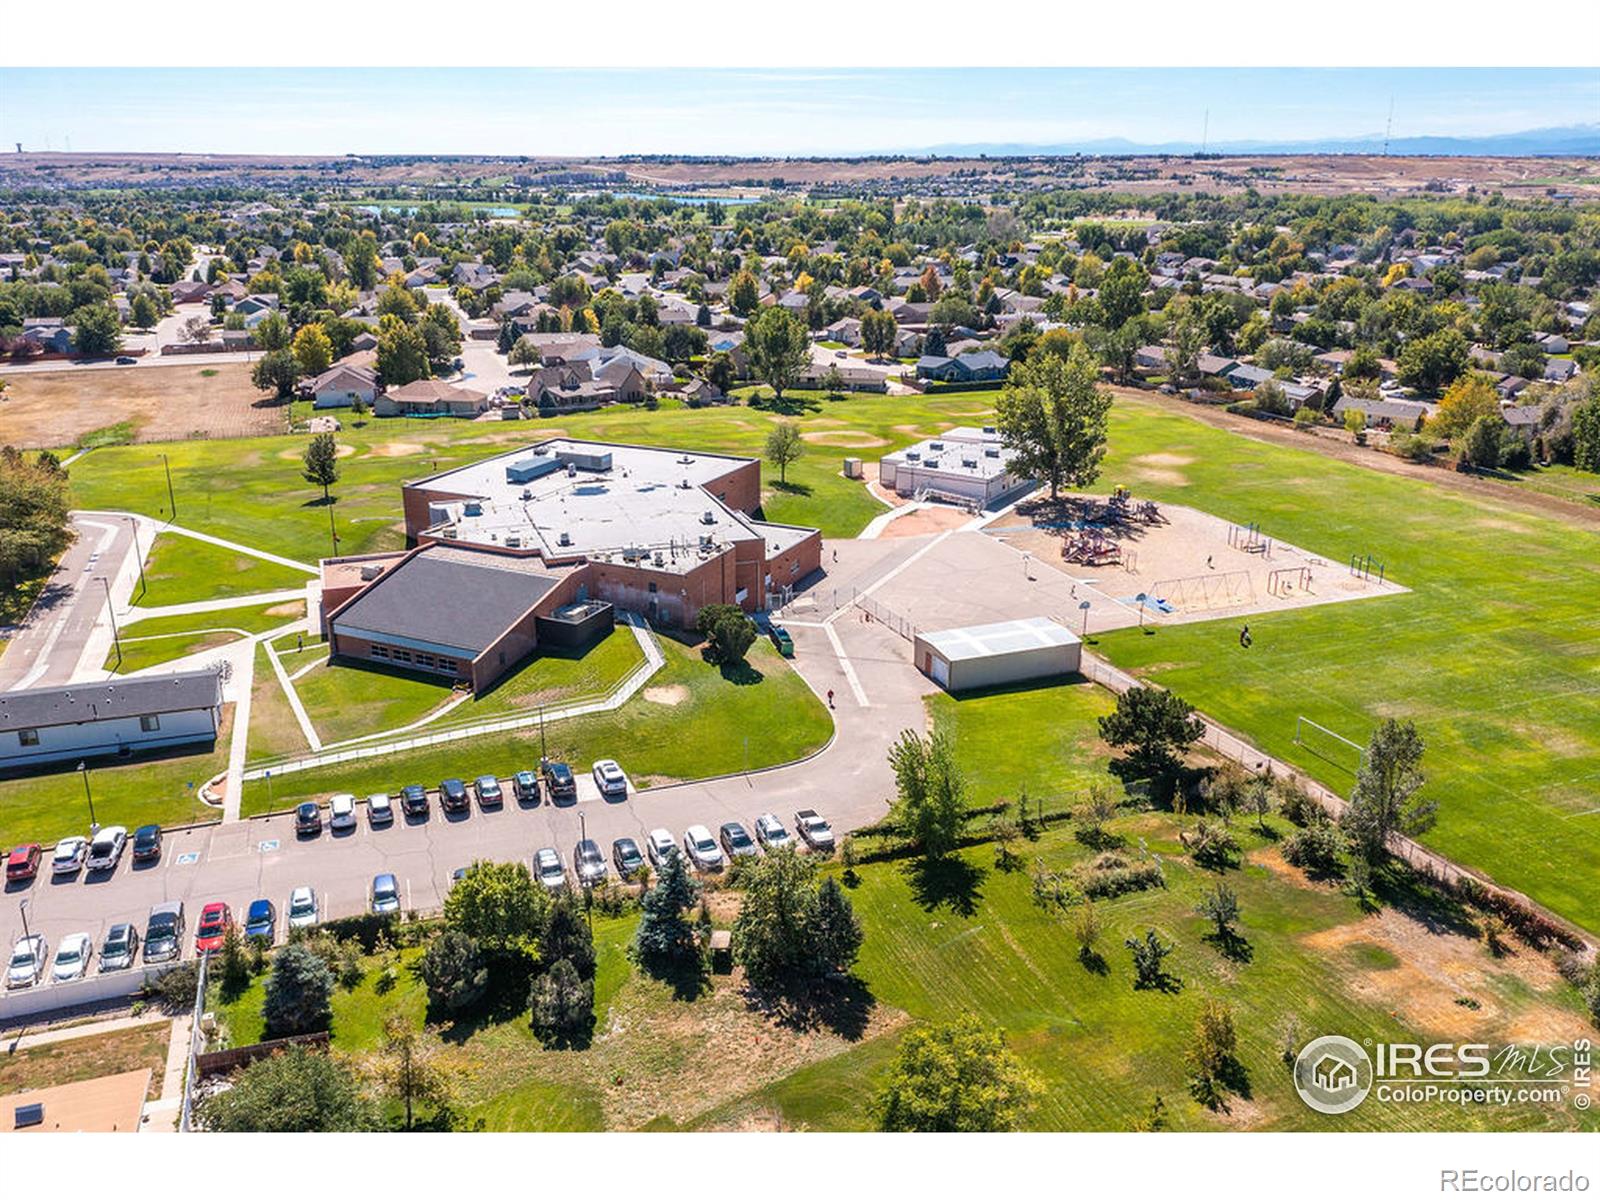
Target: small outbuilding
x: 977, y: 656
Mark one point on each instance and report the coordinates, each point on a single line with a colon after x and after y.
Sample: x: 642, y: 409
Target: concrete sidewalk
x: 50, y: 1037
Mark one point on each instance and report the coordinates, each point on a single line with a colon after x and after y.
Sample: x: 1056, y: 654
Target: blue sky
x: 755, y: 111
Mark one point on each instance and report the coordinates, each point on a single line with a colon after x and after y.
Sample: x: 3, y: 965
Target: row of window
x: 418, y: 658
x: 30, y: 737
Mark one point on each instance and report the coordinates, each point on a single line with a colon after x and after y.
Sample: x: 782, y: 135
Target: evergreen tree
x: 665, y: 938
x: 566, y: 936
x: 299, y: 992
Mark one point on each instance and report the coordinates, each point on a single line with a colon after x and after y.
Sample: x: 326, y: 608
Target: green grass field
x: 704, y: 733
x: 182, y: 570
x: 48, y: 806
x: 346, y: 702
x: 150, y: 642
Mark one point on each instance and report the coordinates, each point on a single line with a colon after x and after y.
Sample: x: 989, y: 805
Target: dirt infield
x: 194, y: 399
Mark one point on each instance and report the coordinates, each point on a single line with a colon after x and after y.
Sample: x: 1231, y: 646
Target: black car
x: 625, y: 853
x: 525, y: 786
x: 559, y: 782
x: 308, y: 819
x: 147, y: 843
x: 453, y: 796
x: 414, y: 800
x: 125, y: 360
x: 489, y: 793
x: 736, y: 843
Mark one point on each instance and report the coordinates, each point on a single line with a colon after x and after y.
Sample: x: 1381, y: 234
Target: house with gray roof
x: 117, y: 718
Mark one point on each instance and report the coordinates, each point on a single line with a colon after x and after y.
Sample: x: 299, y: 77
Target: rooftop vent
x: 371, y: 571
x: 527, y: 493
x: 708, y: 517
x: 564, y: 540
x: 658, y: 560
x: 572, y: 469
x: 992, y: 452
x: 684, y: 484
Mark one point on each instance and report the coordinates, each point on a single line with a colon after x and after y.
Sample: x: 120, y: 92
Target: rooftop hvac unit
x: 969, y: 462
x: 572, y: 469
x: 989, y: 429
x: 686, y: 458
x: 992, y: 452
x: 658, y: 560
x: 370, y: 572
x: 527, y: 493
x: 513, y: 541
x: 913, y: 455
x: 473, y: 508
x: 705, y: 541
x: 932, y: 464
x: 564, y: 540
x: 935, y: 445
x: 449, y: 534
x: 708, y: 517
x: 684, y: 484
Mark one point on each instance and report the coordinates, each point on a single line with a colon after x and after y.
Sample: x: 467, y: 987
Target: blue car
x: 261, y: 920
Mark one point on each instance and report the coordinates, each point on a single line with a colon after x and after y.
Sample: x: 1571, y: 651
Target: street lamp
x: 22, y: 907
x: 172, y: 501
x: 94, y: 826
x: 111, y: 612
x: 138, y: 556
x: 1083, y: 607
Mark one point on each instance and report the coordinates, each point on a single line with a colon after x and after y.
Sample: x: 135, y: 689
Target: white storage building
x: 83, y: 720
x: 989, y: 655
x: 963, y: 466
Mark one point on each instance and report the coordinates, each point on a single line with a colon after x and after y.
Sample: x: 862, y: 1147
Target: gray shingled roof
x: 41, y: 708
x: 444, y: 598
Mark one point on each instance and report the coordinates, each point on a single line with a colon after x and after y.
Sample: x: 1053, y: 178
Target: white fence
x: 45, y: 997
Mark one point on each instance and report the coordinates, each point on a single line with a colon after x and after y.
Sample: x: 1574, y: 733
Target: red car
x: 215, y: 921
x: 23, y: 862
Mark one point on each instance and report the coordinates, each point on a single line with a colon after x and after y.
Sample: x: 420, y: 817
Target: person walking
x: 1244, y: 637
x: 830, y: 697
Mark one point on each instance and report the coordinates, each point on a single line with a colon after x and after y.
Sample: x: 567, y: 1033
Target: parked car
x: 302, y: 908
x: 489, y: 793
x: 163, y: 933
x: 216, y: 919
x: 69, y: 856
x: 736, y: 843
x: 341, y: 812
x: 385, y: 894
x: 558, y: 781
x: 414, y: 800
x: 588, y: 862
x: 770, y: 832
x: 125, y: 360
x: 261, y: 920
x: 702, y: 848
x: 379, y: 810
x: 105, y: 852
x: 73, y: 953
x: 548, y: 870
x: 781, y: 641
x: 120, y: 949
x: 27, y: 961
x: 146, y: 847
x: 457, y: 875
x: 660, y: 845
x: 625, y: 853
x: 525, y: 786
x: 308, y: 819
x: 453, y: 796
x: 815, y: 832
x: 23, y: 862
x: 608, y: 777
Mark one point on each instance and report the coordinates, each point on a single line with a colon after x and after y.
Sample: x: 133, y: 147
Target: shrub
x: 1315, y: 849
x: 1112, y: 875
x: 453, y: 970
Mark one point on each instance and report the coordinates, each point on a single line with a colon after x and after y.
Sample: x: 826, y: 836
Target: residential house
x: 428, y: 398
x: 341, y: 385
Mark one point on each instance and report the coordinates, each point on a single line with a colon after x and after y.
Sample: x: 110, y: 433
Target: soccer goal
x: 1334, y: 749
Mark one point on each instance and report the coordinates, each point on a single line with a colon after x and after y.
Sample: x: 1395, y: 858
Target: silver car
x: 121, y: 947
x: 72, y: 957
x: 69, y: 856
x: 385, y: 894
x: 608, y: 777
x: 27, y: 961
x: 548, y: 870
x: 302, y: 908
x: 702, y: 848
x: 589, y: 863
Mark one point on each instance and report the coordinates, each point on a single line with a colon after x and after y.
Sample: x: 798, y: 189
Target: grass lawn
x: 78, y: 1059
x: 1493, y: 653
x: 1568, y: 483
x: 50, y: 805
x: 346, y: 702
x: 706, y: 735
x: 182, y: 570
x: 273, y: 728
x: 163, y: 639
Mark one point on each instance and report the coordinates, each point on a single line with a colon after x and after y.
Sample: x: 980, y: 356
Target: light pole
x: 138, y: 556
x: 1083, y: 607
x: 22, y: 907
x: 94, y: 826
x: 111, y: 612
x: 544, y: 753
x: 333, y: 537
x: 172, y: 501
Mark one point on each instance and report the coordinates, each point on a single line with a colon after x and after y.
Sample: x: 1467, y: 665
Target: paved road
x: 72, y: 608
x: 849, y: 782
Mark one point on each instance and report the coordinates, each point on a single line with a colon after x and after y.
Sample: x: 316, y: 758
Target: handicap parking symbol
x: 188, y: 858
x: 268, y: 846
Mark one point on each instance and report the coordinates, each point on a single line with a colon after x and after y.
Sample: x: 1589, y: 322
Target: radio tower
x: 1388, y: 127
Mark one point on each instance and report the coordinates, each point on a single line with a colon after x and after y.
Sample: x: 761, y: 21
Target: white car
x: 548, y: 870
x: 660, y: 846
x: 69, y: 856
x: 379, y: 810
x: 608, y: 777
x: 770, y: 832
x: 105, y: 852
x: 341, y: 812
x: 72, y: 957
x: 702, y: 848
x: 27, y: 961
x: 302, y: 908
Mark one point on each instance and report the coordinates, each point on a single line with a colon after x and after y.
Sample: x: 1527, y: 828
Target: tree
x: 97, y: 330
x: 728, y: 631
x: 272, y: 332
x: 836, y: 930
x: 1432, y: 362
x: 720, y: 371
x: 402, y: 353
x: 1156, y: 726
x: 779, y: 349
x: 1087, y: 928
x: 297, y: 1091
x: 453, y: 970
x: 299, y: 992
x: 396, y: 301
x: 276, y: 372
x: 320, y: 463
x: 1122, y: 291
x: 196, y: 330
x: 744, y: 293
x: 499, y: 906
x: 931, y: 792
x: 1481, y: 447
x: 784, y: 446
x: 1052, y: 416
x: 790, y: 928
x: 1466, y: 402
x: 411, y: 1067
x: 34, y: 505
x: 1100, y: 810
x: 1385, y: 801
x: 313, y: 349
x: 1188, y: 337
x: 566, y: 936
x: 664, y: 938
x: 562, y: 1005
x: 524, y: 354
x: 1220, y: 906
x: 956, y: 1077
x: 1149, y: 953
x: 144, y: 312
x: 878, y: 332
x: 1213, y: 1064
x: 1586, y: 435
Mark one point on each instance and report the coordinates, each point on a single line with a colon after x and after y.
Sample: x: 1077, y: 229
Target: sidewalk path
x: 239, y: 547
x: 135, y: 614
x: 48, y: 1037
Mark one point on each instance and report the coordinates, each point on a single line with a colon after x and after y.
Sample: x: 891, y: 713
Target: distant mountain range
x: 1565, y: 140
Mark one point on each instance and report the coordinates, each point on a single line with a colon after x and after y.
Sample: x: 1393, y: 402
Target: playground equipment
x: 1285, y: 581
x: 1365, y: 566
x: 1198, y: 593
x: 1250, y: 539
x: 1092, y: 548
x: 1130, y: 561
x: 1150, y: 513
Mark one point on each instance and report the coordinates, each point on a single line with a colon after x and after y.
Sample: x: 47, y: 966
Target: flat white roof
x: 951, y: 452
x: 1003, y: 637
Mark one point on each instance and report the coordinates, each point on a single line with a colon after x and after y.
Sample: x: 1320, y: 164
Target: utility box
x: 852, y: 468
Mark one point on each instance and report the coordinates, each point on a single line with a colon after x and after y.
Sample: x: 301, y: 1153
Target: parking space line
x: 846, y: 667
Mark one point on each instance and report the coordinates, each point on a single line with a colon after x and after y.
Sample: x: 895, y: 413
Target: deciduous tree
x: 1052, y: 416
x: 957, y: 1077
x: 1385, y: 800
x: 779, y: 349
x: 320, y: 463
x: 784, y: 446
x: 931, y: 791
x: 297, y: 1091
